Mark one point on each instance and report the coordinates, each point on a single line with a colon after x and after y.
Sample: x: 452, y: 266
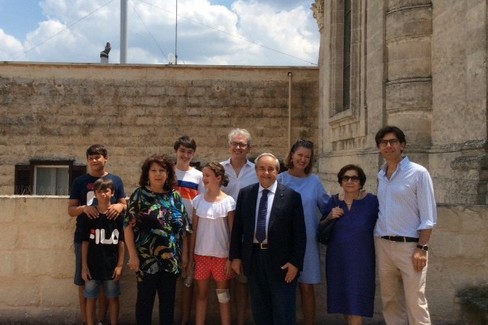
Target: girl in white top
x: 213, y: 216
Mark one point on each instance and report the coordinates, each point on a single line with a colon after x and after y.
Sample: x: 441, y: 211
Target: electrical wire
x: 148, y: 31
x: 232, y: 35
x: 68, y: 27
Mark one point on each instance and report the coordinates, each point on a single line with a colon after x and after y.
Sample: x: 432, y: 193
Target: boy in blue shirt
x: 82, y: 200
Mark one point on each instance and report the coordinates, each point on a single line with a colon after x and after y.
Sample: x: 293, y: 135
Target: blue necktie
x: 262, y: 211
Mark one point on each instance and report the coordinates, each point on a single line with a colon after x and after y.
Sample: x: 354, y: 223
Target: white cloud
x: 10, y: 45
x: 289, y: 31
x: 249, y: 33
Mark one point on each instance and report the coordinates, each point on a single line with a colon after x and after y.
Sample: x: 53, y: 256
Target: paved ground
x: 323, y: 319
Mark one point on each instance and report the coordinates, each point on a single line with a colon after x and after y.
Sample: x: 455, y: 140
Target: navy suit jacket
x: 286, y: 229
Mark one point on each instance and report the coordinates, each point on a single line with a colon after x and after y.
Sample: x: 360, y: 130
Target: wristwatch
x: 423, y: 247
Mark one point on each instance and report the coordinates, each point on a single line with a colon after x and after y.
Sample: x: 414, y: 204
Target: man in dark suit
x: 268, y: 243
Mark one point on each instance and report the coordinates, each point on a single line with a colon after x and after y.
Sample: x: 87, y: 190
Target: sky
x: 202, y: 32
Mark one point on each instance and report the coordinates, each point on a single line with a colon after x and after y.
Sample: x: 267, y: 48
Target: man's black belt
x: 260, y: 245
x: 401, y: 239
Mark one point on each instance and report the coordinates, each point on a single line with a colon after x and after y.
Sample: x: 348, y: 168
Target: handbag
x: 326, y: 228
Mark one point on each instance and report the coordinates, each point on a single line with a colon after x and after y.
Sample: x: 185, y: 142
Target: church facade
x: 417, y: 64
x: 420, y: 65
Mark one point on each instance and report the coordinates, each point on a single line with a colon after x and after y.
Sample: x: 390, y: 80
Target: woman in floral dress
x: 155, y: 227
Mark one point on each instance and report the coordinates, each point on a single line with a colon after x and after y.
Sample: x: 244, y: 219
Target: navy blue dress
x: 350, y: 259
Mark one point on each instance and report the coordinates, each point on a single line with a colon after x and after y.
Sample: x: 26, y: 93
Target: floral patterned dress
x: 160, y: 221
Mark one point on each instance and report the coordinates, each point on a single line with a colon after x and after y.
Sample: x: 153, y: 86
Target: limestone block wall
x: 55, y: 111
x: 459, y: 74
x: 37, y: 263
x: 459, y: 71
x: 425, y: 71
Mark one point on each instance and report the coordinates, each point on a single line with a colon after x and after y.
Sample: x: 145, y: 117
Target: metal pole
x: 176, y: 33
x: 290, y: 75
x: 123, y: 31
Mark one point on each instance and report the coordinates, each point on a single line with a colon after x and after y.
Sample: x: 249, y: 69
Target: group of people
x: 253, y: 230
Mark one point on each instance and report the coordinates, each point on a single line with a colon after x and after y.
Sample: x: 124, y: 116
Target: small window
x: 51, y: 180
x: 46, y: 177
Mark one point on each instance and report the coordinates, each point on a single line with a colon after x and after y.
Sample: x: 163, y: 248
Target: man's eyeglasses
x: 354, y: 179
x: 392, y: 142
x: 239, y: 144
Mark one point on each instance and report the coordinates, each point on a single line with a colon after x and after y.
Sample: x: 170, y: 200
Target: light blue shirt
x: 406, y: 201
x: 247, y: 176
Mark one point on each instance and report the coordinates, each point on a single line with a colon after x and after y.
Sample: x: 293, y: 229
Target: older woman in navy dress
x: 350, y: 259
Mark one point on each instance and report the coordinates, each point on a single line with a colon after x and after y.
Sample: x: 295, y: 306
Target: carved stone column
x: 318, y: 13
x: 409, y: 69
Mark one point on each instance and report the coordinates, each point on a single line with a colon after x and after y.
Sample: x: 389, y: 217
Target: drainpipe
x: 290, y: 75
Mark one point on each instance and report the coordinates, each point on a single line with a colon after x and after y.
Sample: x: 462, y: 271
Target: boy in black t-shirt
x: 102, y: 254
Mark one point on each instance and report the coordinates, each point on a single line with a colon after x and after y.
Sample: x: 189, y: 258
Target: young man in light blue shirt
x: 407, y: 214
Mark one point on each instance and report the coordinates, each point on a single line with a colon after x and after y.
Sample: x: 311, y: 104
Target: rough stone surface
x: 55, y: 111
x: 36, y: 284
x: 423, y: 66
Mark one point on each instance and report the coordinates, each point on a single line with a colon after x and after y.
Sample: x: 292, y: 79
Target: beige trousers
x: 402, y: 288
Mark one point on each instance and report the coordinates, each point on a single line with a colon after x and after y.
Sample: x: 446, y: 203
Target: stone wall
x: 422, y: 66
x: 37, y: 263
x: 55, y: 111
x: 459, y: 121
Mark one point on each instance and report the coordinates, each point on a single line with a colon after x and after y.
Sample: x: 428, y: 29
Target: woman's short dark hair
x: 218, y: 170
x: 164, y: 162
x: 359, y: 170
x: 300, y: 143
x: 389, y: 129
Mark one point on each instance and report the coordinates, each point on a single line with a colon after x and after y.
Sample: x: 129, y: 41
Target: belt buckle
x: 263, y: 246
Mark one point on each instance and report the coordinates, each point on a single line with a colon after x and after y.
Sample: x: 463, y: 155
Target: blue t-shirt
x: 82, y: 190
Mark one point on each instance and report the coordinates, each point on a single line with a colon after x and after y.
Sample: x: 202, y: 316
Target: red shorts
x: 206, y: 266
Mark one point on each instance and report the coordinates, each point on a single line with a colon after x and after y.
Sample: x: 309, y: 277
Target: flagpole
x: 123, y: 31
x: 176, y: 33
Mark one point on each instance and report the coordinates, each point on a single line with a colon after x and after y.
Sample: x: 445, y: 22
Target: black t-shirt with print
x: 104, y: 237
